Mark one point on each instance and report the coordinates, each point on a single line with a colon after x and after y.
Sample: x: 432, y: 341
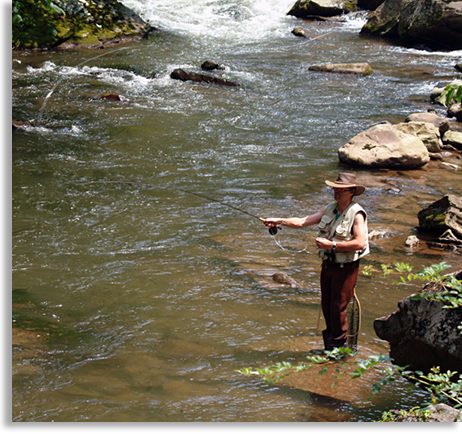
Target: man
x: 342, y: 242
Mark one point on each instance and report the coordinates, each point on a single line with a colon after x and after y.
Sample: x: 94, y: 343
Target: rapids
x: 133, y: 303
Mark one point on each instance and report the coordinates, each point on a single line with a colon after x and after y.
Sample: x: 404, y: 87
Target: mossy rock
x: 323, y: 8
x: 90, y: 24
x: 444, y: 214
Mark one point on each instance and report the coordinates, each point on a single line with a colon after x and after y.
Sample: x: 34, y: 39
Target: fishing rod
x: 272, y: 230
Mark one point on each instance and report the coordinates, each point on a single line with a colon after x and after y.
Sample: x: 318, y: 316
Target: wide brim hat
x: 347, y: 180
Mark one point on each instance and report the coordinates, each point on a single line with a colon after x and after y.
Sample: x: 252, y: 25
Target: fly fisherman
x: 342, y: 241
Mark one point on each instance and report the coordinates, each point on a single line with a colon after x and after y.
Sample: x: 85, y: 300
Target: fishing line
x: 320, y: 36
x: 62, y: 78
x: 272, y: 230
x: 354, y: 321
x: 290, y: 250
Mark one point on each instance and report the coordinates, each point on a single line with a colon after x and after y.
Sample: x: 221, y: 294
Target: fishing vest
x: 340, y: 229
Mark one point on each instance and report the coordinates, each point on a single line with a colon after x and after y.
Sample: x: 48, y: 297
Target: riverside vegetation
x: 443, y: 387
x: 447, y: 386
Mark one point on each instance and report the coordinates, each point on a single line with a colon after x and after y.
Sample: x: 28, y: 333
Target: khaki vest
x: 341, y: 230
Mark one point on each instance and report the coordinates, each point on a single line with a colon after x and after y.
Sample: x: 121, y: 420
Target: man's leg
x: 337, y: 288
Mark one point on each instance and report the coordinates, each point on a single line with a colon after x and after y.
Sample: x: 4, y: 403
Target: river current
x: 136, y: 302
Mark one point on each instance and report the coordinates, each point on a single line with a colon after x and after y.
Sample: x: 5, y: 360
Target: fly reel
x: 274, y: 230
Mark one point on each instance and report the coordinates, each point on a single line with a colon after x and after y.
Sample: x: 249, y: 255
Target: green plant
x: 440, y: 386
x: 448, y: 289
x: 451, y: 93
x: 416, y: 412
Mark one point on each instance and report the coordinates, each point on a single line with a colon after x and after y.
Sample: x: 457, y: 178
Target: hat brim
x: 359, y: 188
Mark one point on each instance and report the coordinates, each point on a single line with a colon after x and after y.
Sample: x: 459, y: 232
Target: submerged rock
x: 423, y: 333
x: 285, y: 279
x: 412, y: 241
x: 114, y: 97
x: 208, y: 65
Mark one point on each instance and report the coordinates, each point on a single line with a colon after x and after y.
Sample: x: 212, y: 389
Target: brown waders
x: 338, y: 282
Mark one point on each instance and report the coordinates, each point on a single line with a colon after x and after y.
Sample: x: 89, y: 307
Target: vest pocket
x: 342, y: 232
x: 324, y: 224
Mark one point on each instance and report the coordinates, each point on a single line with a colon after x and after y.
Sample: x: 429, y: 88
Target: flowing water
x: 138, y: 303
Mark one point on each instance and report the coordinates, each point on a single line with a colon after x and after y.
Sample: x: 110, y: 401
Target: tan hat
x: 347, y: 180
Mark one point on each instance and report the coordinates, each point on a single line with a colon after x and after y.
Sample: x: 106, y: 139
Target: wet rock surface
x: 423, y: 333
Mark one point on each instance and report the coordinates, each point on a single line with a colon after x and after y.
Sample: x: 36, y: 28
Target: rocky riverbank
x: 78, y: 25
x: 431, y: 24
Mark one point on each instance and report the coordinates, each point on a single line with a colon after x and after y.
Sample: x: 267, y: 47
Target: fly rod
x: 272, y: 230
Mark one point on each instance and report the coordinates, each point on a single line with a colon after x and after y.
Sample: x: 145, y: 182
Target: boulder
x: 453, y: 138
x: 181, y: 74
x: 438, y: 413
x: 323, y: 8
x: 425, y: 131
x: 445, y: 413
x: 444, y: 214
x: 344, y: 68
x: 423, y: 333
x: 441, y: 123
x: 384, y: 146
x: 369, y: 5
x: 89, y: 24
x: 435, y: 24
x: 455, y: 111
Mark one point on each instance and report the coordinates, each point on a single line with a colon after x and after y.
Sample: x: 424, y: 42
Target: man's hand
x: 323, y: 243
x: 273, y: 222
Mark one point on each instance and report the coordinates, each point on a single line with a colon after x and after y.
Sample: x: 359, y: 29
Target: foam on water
x: 242, y: 20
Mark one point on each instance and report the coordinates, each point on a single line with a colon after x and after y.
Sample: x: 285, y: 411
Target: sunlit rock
x: 323, y: 8
x: 181, y: 74
x: 441, y: 123
x: 425, y: 131
x: 453, y: 138
x: 344, y: 68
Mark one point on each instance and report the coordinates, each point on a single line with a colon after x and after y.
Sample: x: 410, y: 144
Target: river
x: 136, y: 302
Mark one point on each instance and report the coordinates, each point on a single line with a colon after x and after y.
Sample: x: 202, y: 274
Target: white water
x: 165, y: 296
x: 244, y: 20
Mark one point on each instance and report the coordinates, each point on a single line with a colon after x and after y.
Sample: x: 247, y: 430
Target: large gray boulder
x: 384, y: 146
x: 423, y: 333
x: 436, y: 24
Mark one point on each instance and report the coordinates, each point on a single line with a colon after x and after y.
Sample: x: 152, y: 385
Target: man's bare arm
x: 295, y: 222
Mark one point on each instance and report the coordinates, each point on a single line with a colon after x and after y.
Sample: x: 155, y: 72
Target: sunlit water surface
x: 133, y: 301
